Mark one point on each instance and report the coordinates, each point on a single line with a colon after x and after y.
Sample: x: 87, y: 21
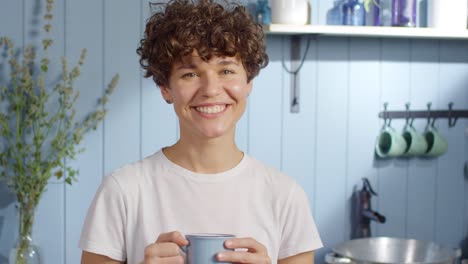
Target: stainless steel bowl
x: 387, y: 250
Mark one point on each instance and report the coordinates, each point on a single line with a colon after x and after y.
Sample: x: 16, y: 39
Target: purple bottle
x: 404, y: 13
x: 373, y: 17
x: 376, y: 9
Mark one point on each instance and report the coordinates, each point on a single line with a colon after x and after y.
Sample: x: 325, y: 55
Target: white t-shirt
x: 138, y: 202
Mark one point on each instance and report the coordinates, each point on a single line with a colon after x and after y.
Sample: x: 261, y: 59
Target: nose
x: 210, y: 85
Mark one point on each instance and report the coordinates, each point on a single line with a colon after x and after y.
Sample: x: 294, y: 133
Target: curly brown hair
x: 182, y: 26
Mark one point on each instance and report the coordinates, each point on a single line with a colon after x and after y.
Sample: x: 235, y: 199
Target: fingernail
x: 220, y: 256
x: 228, y: 243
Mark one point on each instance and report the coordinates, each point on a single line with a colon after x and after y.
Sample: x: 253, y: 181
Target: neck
x: 205, y: 156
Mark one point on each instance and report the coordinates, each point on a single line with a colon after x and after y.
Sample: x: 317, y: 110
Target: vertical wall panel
x: 363, y: 123
x: 91, y: 86
x: 332, y: 105
x: 265, y: 132
x: 298, y: 153
x: 422, y: 172
x: 450, y: 183
x: 393, y: 172
x: 48, y: 230
x: 158, y: 120
x: 314, y: 12
x: 242, y: 130
x: 122, y: 124
x: 11, y: 25
x: 465, y: 174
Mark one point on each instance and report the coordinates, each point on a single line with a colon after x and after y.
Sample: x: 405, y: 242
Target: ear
x: 165, y: 93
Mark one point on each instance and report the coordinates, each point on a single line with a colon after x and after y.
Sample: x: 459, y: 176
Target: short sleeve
x: 104, y: 226
x: 299, y: 233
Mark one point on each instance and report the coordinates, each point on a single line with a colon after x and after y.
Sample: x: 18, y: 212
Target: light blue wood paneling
x: 332, y: 107
x: 298, y: 138
x: 465, y: 174
x: 11, y: 13
x: 363, y: 126
x: 91, y: 85
x: 393, y: 173
x: 266, y: 99
x: 158, y: 120
x: 422, y: 172
x: 327, y: 147
x: 450, y: 182
x: 122, y: 126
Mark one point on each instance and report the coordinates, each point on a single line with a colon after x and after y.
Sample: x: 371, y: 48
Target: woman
x: 203, y: 56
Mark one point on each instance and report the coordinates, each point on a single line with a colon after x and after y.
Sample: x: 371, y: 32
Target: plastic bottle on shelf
x: 386, y: 13
x: 354, y: 13
x: 404, y: 13
x: 334, y: 15
x: 263, y: 13
x: 373, y: 16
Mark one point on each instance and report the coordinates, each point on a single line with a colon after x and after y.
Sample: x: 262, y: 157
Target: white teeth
x: 211, y: 109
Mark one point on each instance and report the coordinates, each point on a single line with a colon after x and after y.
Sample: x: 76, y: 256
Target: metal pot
x: 386, y: 250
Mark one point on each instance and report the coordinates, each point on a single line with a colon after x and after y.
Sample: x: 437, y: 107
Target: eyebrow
x: 228, y: 62
x: 223, y: 62
x: 186, y: 66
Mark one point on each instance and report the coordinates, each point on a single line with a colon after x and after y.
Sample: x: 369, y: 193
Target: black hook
x: 452, y: 121
x: 386, y: 115
x: 408, y: 115
x: 429, y: 115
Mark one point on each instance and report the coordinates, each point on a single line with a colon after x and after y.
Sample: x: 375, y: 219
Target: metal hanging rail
x: 425, y: 114
x: 451, y: 114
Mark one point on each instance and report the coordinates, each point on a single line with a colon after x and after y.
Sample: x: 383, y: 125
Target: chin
x: 215, y: 133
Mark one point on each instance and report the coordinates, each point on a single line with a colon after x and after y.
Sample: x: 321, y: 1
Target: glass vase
x: 24, y: 251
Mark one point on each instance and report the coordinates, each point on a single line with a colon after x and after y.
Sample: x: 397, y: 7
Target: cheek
x: 239, y: 91
x: 183, y: 95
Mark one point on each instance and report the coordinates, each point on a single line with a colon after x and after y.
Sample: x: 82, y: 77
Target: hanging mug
x: 416, y: 144
x: 390, y: 143
x: 436, y: 143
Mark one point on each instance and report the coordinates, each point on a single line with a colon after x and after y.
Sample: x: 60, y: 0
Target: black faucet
x: 362, y: 211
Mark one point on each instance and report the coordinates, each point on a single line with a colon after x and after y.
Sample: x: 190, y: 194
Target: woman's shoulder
x: 137, y: 171
x: 270, y: 174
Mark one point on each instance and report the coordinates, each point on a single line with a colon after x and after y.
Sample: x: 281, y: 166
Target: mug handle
x: 183, y: 252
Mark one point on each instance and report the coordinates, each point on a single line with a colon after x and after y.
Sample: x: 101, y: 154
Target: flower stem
x: 26, y: 215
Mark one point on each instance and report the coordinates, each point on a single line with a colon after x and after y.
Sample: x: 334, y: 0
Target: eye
x: 227, y: 72
x: 189, y: 75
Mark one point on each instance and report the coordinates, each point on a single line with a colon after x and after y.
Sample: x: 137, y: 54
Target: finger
x: 165, y: 249
x: 243, y: 257
x: 174, y: 237
x: 169, y: 260
x: 251, y: 244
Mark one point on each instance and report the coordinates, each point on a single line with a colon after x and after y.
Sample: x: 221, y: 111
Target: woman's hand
x: 166, y: 249
x: 256, y: 253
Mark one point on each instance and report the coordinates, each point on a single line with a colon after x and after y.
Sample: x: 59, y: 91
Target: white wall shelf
x: 296, y: 31
x: 367, y: 31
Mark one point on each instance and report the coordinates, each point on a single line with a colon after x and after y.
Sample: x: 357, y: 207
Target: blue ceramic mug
x: 202, y: 248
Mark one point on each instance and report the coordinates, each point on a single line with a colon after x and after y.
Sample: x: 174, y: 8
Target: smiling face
x: 209, y: 96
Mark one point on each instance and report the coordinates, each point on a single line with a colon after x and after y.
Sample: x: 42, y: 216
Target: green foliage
x: 38, y: 126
